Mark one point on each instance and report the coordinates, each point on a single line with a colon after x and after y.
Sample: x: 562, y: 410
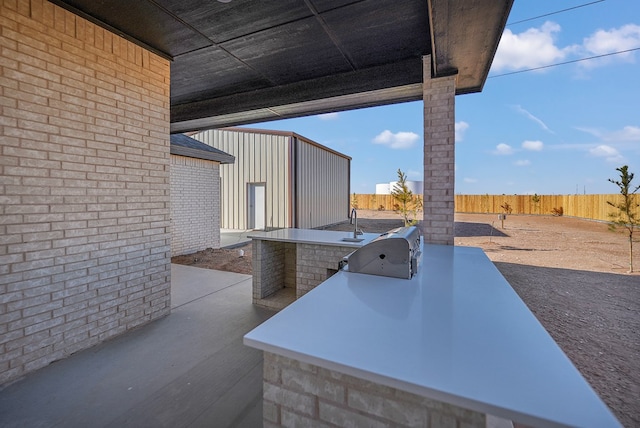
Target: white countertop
x: 313, y: 236
x: 456, y: 332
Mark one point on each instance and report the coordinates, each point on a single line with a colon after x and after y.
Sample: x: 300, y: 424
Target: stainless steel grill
x: 395, y: 253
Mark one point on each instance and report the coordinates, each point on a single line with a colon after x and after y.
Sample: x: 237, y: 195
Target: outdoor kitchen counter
x: 456, y: 333
x: 314, y: 236
x: 288, y: 263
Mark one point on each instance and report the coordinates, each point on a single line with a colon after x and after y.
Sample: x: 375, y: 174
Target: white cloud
x: 603, y: 151
x: 537, y: 48
x: 532, y: 48
x: 595, y: 132
x: 533, y: 118
x: 604, y: 42
x: 628, y: 133
x: 534, y: 146
x: 399, y: 140
x: 470, y: 180
x: 522, y: 162
x: 622, y: 140
x: 461, y: 128
x: 328, y: 116
x: 610, y: 154
x: 503, y: 149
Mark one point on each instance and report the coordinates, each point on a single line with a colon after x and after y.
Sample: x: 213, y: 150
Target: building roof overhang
x: 183, y: 145
x: 245, y: 61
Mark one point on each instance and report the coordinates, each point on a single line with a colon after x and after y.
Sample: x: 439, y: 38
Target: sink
x: 352, y: 239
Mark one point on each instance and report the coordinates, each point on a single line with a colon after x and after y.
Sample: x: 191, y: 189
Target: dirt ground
x: 571, y: 273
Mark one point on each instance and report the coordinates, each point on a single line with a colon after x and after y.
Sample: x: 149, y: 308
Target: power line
x: 564, y: 63
x: 554, y: 13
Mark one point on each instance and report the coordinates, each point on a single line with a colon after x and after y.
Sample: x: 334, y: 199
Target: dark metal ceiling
x: 248, y: 61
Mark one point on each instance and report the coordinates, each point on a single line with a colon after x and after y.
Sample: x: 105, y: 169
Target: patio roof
x: 240, y: 61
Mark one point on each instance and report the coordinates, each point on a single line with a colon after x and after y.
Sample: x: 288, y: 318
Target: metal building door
x: 257, y: 206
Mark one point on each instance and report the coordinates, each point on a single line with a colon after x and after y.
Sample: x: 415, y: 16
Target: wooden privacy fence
x: 593, y: 207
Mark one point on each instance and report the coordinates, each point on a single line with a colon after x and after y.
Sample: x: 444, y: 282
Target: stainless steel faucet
x: 353, y: 219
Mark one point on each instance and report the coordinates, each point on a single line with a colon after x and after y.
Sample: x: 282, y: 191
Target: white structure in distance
x: 416, y: 187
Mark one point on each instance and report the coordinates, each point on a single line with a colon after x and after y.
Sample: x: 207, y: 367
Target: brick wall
x: 300, y: 267
x: 298, y: 394
x: 84, y: 185
x: 274, y: 274
x: 315, y: 263
x: 195, y: 205
x: 439, y: 157
x: 268, y: 261
x: 290, y: 266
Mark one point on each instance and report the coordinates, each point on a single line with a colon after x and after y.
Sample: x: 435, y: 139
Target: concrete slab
x: 190, y: 284
x: 232, y: 238
x: 187, y: 369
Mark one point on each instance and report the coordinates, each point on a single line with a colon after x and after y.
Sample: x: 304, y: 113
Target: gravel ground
x: 571, y: 273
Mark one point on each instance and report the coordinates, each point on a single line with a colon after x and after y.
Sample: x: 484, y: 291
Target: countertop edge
x: 391, y: 382
x: 265, y: 236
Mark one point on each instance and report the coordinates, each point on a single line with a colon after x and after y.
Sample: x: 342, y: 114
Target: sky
x: 536, y: 127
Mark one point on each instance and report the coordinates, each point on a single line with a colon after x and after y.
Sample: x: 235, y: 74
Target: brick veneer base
x: 291, y: 269
x: 297, y: 394
x: 315, y: 263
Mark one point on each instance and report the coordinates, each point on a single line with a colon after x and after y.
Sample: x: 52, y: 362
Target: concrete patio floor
x: 231, y: 238
x: 189, y: 369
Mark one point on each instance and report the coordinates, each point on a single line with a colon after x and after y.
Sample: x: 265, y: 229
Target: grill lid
x: 395, y: 254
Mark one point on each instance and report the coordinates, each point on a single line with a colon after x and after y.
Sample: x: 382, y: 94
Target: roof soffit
x: 233, y: 63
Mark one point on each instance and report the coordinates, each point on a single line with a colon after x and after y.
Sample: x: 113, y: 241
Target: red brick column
x: 439, y: 157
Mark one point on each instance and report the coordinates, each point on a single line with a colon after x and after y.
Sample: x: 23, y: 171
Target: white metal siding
x: 260, y: 158
x: 322, y: 188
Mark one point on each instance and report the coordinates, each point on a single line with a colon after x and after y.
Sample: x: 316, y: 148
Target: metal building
x: 280, y: 179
